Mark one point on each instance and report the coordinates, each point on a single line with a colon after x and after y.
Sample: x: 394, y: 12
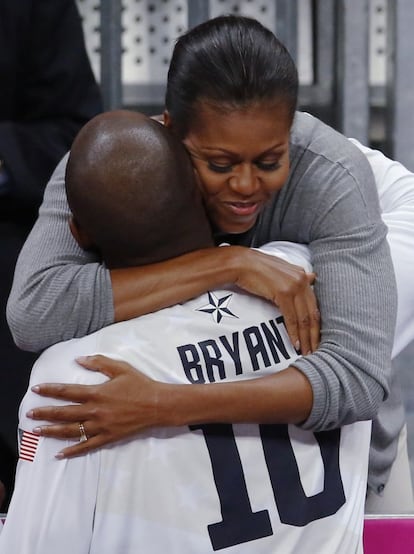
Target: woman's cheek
x: 209, y: 184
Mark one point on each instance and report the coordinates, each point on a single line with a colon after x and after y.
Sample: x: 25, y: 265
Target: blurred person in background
x: 48, y: 92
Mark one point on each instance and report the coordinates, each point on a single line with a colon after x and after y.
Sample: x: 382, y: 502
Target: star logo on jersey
x: 218, y: 307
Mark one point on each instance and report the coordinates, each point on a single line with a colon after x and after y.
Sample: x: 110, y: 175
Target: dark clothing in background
x: 47, y: 93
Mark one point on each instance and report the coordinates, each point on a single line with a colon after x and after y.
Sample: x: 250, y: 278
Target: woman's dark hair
x: 230, y: 62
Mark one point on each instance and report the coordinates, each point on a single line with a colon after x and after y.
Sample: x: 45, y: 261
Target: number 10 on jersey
x: 239, y: 523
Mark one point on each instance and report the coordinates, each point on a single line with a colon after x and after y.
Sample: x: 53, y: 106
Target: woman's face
x: 241, y: 158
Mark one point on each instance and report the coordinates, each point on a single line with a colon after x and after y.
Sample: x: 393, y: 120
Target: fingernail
x: 82, y: 359
x: 35, y: 388
x: 297, y: 345
x: 30, y: 413
x: 37, y: 430
x: 59, y: 456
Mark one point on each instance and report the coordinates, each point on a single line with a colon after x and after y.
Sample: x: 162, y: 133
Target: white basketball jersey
x: 205, y: 488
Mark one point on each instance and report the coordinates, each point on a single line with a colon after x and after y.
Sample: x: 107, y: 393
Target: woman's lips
x: 243, y: 208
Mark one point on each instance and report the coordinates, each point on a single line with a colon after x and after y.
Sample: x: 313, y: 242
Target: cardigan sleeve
x: 333, y: 195
x: 59, y: 290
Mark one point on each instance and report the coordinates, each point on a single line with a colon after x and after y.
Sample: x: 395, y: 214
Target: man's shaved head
x: 131, y: 188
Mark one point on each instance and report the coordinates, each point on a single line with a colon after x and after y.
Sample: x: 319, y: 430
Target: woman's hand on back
x: 287, y: 286
x: 119, y: 408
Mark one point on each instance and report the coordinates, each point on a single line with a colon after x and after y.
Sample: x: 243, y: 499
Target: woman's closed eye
x: 267, y: 166
x: 226, y: 168
x: 220, y: 167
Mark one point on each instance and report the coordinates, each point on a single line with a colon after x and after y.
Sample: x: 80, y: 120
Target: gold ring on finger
x: 83, y: 436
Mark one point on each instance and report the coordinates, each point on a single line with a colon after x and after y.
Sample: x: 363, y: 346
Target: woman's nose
x: 244, y: 181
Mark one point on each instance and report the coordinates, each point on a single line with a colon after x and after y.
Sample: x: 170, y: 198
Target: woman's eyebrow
x: 278, y: 146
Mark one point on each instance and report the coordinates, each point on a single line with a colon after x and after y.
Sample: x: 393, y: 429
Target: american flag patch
x: 28, y: 445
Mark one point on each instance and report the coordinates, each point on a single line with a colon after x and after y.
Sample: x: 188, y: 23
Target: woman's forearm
x: 145, y: 289
x: 285, y: 397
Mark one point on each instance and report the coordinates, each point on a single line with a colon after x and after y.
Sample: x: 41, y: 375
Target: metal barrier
x: 354, y: 57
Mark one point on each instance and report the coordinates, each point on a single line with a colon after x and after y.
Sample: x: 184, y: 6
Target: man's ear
x: 81, y: 237
x: 167, y: 119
